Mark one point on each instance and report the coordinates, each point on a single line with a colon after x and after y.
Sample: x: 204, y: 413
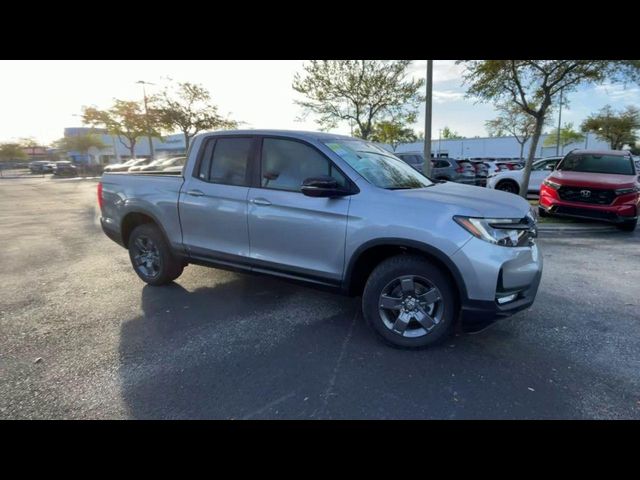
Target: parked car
x: 441, y: 168
x: 174, y: 169
x: 482, y: 171
x: 601, y: 185
x: 510, y: 180
x: 65, y: 169
x: 40, y: 166
x: 334, y: 212
x: 160, y: 165
x: 120, y: 167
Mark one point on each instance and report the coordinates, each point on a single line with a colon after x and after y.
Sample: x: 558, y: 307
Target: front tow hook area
x: 473, y: 326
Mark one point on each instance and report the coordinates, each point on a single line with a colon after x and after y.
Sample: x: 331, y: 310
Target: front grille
x: 586, y: 195
x: 585, y: 212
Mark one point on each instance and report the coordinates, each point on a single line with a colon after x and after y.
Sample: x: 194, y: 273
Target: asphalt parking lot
x: 83, y: 337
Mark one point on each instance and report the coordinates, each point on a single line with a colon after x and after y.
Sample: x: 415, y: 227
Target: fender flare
x: 420, y: 246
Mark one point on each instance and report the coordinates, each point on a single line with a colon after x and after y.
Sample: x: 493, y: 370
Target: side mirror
x: 323, y: 186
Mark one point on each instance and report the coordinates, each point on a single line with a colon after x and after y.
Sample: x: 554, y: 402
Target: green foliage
x: 512, y: 121
x: 363, y: 91
x: 79, y: 143
x: 390, y: 132
x: 533, y: 84
x: 567, y: 136
x: 617, y: 128
x: 449, y: 134
x: 10, y: 151
x: 125, y: 119
x: 187, y: 107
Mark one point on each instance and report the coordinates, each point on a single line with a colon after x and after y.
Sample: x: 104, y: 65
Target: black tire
x: 169, y: 266
x: 387, y: 272
x: 629, y: 226
x: 542, y: 212
x: 508, y: 186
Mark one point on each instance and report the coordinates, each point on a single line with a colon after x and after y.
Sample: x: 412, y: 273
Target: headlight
x: 551, y: 184
x: 506, y: 232
x: 624, y: 191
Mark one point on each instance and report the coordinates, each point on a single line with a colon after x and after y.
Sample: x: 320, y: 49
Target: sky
x: 39, y: 98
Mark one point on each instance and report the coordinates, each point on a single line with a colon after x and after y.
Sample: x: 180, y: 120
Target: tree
x: 126, y: 119
x: 362, y: 91
x: 617, y: 128
x: 533, y: 84
x: 79, y: 143
x: 449, y: 134
x: 391, y: 133
x: 11, y: 151
x: 513, y: 121
x: 187, y: 107
x: 567, y: 136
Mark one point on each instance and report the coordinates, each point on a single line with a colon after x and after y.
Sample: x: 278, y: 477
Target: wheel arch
x: 136, y: 218
x: 370, y: 254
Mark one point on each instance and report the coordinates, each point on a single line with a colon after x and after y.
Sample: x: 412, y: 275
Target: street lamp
x: 439, y: 140
x: 146, y: 115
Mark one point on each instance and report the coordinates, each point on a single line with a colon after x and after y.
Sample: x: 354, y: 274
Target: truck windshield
x: 377, y: 166
x: 616, y: 164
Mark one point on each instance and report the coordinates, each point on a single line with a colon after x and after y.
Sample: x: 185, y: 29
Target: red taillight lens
x: 100, y: 200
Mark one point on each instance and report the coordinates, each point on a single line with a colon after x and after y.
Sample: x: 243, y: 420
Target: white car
x: 510, y: 180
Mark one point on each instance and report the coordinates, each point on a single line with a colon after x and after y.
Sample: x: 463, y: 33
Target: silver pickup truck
x: 334, y: 212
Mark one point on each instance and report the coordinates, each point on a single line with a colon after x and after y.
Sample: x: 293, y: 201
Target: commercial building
x: 115, y: 149
x: 496, y: 147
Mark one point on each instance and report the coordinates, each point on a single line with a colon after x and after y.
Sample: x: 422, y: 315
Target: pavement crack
x: 332, y: 381
x: 268, y: 406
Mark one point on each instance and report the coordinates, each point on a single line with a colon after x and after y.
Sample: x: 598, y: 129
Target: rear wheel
x: 151, y: 256
x: 409, y: 302
x: 629, y: 226
x: 508, y: 186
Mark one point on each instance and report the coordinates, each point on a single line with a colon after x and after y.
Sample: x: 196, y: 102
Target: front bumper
x: 624, y: 208
x: 492, y: 271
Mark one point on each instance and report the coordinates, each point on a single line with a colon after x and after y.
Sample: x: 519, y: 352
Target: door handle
x: 195, y: 193
x: 260, y: 201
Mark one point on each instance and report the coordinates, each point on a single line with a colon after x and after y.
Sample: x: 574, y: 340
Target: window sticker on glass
x: 342, y: 151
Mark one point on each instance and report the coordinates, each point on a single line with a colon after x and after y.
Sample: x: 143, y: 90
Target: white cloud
x: 618, y: 92
x: 444, y: 96
x: 443, y: 70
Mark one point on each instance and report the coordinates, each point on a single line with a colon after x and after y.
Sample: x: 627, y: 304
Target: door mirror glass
x: 323, y: 186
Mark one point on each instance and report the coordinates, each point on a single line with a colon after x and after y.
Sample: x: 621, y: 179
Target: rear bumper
x: 111, y: 232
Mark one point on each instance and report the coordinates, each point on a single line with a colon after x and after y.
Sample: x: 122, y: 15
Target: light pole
x: 559, y: 120
x: 427, y: 120
x: 146, y: 115
x: 439, y: 140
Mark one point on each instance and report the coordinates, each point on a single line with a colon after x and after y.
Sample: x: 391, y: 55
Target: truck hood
x: 594, y: 180
x: 471, y: 200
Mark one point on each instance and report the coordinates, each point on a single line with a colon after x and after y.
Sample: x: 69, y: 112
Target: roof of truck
x: 289, y: 133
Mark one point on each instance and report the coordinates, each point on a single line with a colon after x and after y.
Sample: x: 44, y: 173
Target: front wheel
x: 509, y: 187
x: 151, y: 256
x: 409, y: 302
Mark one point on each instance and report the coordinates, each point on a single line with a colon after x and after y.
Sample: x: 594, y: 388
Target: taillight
x: 460, y: 169
x: 100, y: 199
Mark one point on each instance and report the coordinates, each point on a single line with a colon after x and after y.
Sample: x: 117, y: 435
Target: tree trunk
x: 535, y: 138
x: 522, y: 149
x: 132, y: 149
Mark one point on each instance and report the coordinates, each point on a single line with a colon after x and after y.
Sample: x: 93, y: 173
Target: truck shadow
x: 255, y: 347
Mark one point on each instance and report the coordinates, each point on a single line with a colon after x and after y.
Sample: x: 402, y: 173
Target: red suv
x: 596, y: 185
